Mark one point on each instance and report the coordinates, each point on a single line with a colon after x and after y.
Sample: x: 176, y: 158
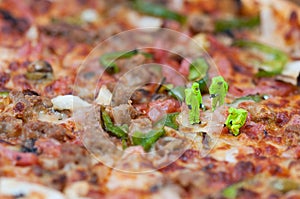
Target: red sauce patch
x: 242, y: 170
x: 20, y: 81
x: 171, y: 168
x: 60, y: 86
x: 188, y: 155
x: 270, y: 150
x: 274, y: 169
x: 253, y: 130
x: 4, y: 78
x: 19, y: 107
x: 282, y: 118
x: 219, y: 177
x: 169, y: 105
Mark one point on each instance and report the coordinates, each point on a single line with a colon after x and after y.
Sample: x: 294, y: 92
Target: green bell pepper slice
x: 147, y: 140
x: 111, y: 128
x: 157, y: 11
x: 275, y: 59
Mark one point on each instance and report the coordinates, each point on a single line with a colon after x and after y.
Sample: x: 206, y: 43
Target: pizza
x: 149, y: 99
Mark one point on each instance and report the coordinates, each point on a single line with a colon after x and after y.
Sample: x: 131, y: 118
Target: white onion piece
x: 32, y: 33
x: 68, y: 102
x: 104, y: 97
x: 89, y: 15
x: 143, y: 21
x: 290, y: 73
x: 13, y: 187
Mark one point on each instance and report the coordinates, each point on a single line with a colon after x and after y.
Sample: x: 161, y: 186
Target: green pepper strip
x: 236, y: 23
x: 285, y: 185
x: 107, y: 60
x: 4, y: 93
x: 157, y: 11
x: 178, y: 93
x: 146, y: 141
x: 171, y: 120
x: 230, y: 192
x: 255, y: 98
x: 203, y: 84
x: 110, y: 127
x: 198, y: 72
x: 280, y: 184
x: 273, y: 66
x: 198, y: 69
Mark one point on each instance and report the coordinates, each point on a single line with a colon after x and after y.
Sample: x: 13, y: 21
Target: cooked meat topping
x: 37, y: 129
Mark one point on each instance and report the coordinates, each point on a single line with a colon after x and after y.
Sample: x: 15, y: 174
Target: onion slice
x: 14, y: 187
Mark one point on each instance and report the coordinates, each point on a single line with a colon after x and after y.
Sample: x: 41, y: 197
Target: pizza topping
x: 168, y: 105
x: 198, y: 69
x: 104, y: 96
x: 39, y: 70
x: 123, y: 114
x: 18, y: 158
x: 70, y: 32
x: 37, y: 129
x: 11, y: 127
x: 199, y: 23
x: 255, y: 98
x: 143, y: 125
x: 178, y: 92
x: 291, y: 73
x: 71, y: 154
x: 170, y: 121
x: 139, y: 130
x: 293, y: 125
x: 266, y: 86
x: 285, y: 185
x: 147, y: 140
x: 230, y: 192
x: 89, y: 15
x: 4, y: 93
x: 108, y: 60
x: 4, y: 78
x: 110, y: 127
x: 28, y: 146
x: 68, y: 102
x: 259, y: 112
x: 157, y: 11
x: 61, y: 86
x: 32, y: 93
x: 222, y: 25
x: 141, y: 21
x: 272, y: 63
